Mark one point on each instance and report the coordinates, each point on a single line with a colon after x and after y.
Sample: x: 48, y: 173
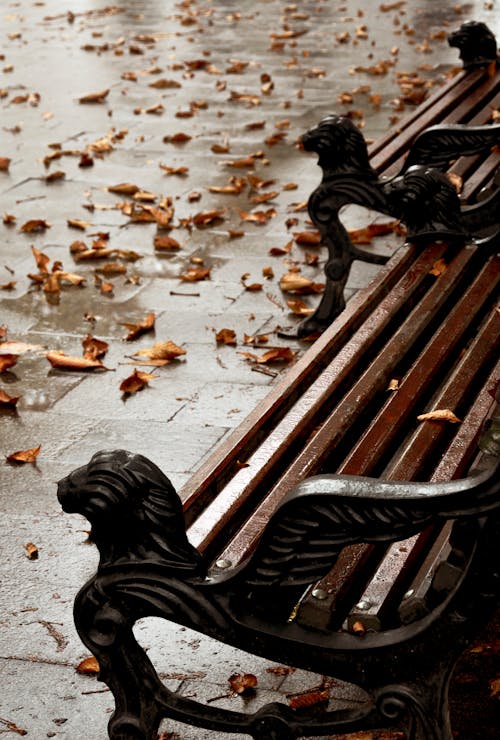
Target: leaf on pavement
x: 161, y: 353
x: 88, y: 667
x: 136, y: 330
x: 62, y: 361
x: 96, y: 97
x: 25, y: 456
x: 136, y: 382
x: 7, y: 360
x: 8, y: 402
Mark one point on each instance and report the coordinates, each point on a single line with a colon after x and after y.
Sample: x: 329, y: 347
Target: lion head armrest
x: 135, y: 512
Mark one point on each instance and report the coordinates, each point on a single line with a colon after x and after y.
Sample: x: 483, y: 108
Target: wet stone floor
x: 152, y: 195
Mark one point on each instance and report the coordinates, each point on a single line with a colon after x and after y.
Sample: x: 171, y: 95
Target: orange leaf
x: 308, y: 698
x: 136, y: 330
x: 8, y: 402
x: 438, y: 268
x: 136, y: 382
x: 193, y: 274
x: 62, y: 361
x: 278, y: 354
x: 4, y: 164
x: 165, y: 243
x: 163, y: 352
x: 34, y: 224
x: 242, y: 682
x: 207, y: 217
x: 97, y: 97
x: 124, y: 188
x: 311, y: 238
x: 293, y: 282
x: 440, y: 415
x: 25, y: 456
x: 299, y: 308
x: 88, y: 667
x: 7, y: 360
x: 94, y: 348
x: 31, y: 551
x: 226, y: 336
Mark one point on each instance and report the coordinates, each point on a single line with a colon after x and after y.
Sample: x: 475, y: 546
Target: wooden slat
x: 314, y: 451
x: 241, y: 442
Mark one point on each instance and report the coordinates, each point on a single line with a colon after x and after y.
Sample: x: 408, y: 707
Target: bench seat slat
x: 312, y: 406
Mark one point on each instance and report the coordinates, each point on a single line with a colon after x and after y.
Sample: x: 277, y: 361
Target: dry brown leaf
x: 97, y: 97
x: 7, y: 360
x: 34, y: 225
x: 494, y: 685
x: 242, y: 682
x: 179, y: 138
x: 4, y: 164
x: 438, y: 268
x: 226, y: 336
x: 112, y: 268
x: 293, y: 282
x: 194, y: 274
x: 94, y: 348
x: 299, y: 308
x: 162, y: 352
x: 280, y: 251
x: 136, y: 382
x: 440, y: 415
x: 174, y: 170
x: 8, y: 402
x: 258, y: 217
x: 88, y: 667
x: 136, y: 330
x: 25, y: 456
x: 165, y: 243
x: 9, y: 286
x: 63, y: 361
x: 308, y: 698
x: 124, y: 188
x: 77, y: 223
x: 31, y: 551
x: 164, y: 84
x: 393, y: 385
x: 278, y: 354
x: 366, y: 234
x: 207, y: 217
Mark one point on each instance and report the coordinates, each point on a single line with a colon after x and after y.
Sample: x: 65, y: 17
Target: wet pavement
x: 177, y: 100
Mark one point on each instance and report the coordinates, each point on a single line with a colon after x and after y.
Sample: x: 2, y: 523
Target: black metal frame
x: 422, y: 198
x: 148, y: 568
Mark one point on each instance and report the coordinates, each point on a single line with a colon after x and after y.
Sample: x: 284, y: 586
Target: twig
x: 12, y: 727
x: 178, y: 292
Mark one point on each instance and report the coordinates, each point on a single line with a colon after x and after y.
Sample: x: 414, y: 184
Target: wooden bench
x: 292, y: 552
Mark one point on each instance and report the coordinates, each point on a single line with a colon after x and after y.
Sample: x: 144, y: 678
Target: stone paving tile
x: 192, y: 404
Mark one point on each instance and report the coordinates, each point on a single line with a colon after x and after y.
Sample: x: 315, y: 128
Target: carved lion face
x: 338, y: 142
x: 476, y: 42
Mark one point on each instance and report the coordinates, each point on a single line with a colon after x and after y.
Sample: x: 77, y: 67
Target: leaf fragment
x: 7, y: 360
x: 88, y: 667
x: 440, y: 415
x: 226, y: 336
x: 31, y: 551
x: 242, y: 682
x: 165, y: 243
x: 96, y: 97
x: 8, y: 402
x: 136, y: 382
x: 25, y: 456
x: 34, y: 225
x: 137, y: 330
x: 62, y: 361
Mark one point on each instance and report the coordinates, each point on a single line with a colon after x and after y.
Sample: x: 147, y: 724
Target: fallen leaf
x: 97, y: 97
x: 308, y: 698
x: 8, y: 402
x: 299, y: 308
x: 179, y: 138
x: 33, y: 225
x: 31, y: 551
x: 440, y: 415
x: 207, y: 217
x: 438, y: 268
x: 494, y: 687
x: 165, y: 243
x: 293, y: 282
x: 226, y: 336
x: 162, y: 352
x: 88, y: 667
x: 258, y: 217
x: 279, y: 354
x: 63, y: 361
x: 136, y: 382
x: 112, y: 268
x: 393, y: 385
x: 366, y: 234
x: 76, y: 223
x: 25, y: 456
x: 136, y: 330
x: 4, y: 164
x: 94, y: 348
x: 124, y: 188
x: 174, y: 170
x: 242, y: 682
x: 6, y: 361
x: 194, y: 274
